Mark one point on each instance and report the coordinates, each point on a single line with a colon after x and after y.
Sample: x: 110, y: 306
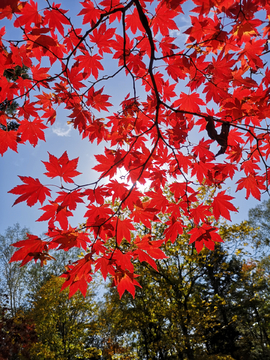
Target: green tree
x: 197, y: 306
x: 67, y: 329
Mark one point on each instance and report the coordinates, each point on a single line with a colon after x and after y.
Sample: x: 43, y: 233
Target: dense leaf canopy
x: 194, y: 112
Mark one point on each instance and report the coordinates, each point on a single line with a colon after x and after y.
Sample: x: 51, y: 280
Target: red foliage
x: 164, y: 136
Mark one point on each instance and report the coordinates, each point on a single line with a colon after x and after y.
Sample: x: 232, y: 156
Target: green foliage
x: 197, y: 306
x: 66, y: 328
x: 13, y: 74
x: 208, y: 306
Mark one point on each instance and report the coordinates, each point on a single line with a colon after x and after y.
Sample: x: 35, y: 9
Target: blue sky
x: 59, y: 138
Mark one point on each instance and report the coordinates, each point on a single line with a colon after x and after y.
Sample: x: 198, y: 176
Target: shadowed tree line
x: 212, y: 305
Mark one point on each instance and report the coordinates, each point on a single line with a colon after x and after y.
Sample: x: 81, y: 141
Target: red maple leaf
x: 103, y: 38
x: 96, y: 130
x: 55, y: 18
x: 39, y: 31
x: 68, y: 239
x: 105, y: 267
x: 44, y: 41
x: 98, y: 215
x: 75, y: 77
x: 198, y: 28
x: 250, y: 167
x: 158, y: 200
x: 200, y: 169
x: 200, y: 213
x: 8, y: 139
x: 205, y: 235
x: 151, y: 247
x: 55, y: 212
x: 76, y: 285
x: 31, y: 192
x: 97, y: 194
x: 174, y: 229
x: 168, y: 91
x: 222, y: 206
x: 80, y: 118
x: 28, y: 109
x: 202, y: 150
x: 70, y: 199
x: 125, y: 280
x: 215, y: 92
x: 90, y: 12
x: 123, y: 260
x: 78, y: 275
x: 90, y: 64
x: 253, y: 184
x: 143, y: 256
x: 31, y: 248
x: 177, y: 69
x: 40, y: 73
x: 163, y: 21
x: 107, y: 162
x: 29, y: 14
x: 62, y: 167
x: 189, y: 102
x: 133, y: 22
x: 98, y: 100
x: 32, y: 131
x: 251, y: 51
x: 144, y: 214
x: 123, y: 230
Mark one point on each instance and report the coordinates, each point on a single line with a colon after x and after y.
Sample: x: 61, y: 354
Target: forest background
x: 213, y: 305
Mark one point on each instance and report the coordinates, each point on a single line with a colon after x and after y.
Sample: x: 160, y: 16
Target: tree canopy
x: 193, y: 113
x: 212, y: 305
x: 66, y: 328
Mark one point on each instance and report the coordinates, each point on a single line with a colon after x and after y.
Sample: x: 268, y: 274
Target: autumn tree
x: 194, y: 111
x: 66, y: 328
x: 212, y: 305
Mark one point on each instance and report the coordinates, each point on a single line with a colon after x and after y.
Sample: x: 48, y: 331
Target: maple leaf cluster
x: 196, y: 114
